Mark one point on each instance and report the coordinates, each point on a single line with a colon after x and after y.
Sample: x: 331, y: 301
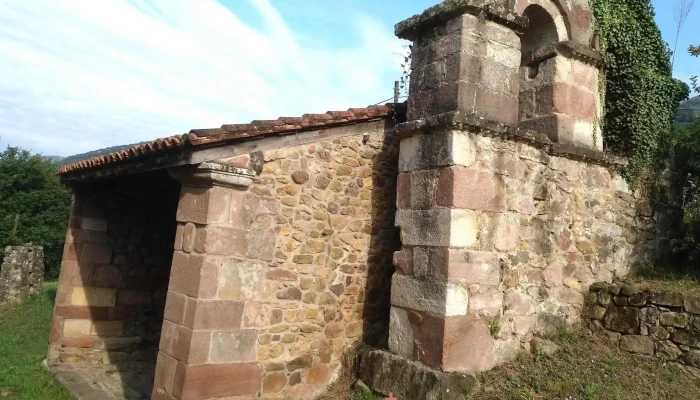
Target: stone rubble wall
x: 654, y: 323
x: 527, y: 234
x: 115, y: 269
x: 21, y: 274
x: 283, y: 276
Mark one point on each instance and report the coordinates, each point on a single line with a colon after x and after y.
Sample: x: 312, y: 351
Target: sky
x: 79, y: 75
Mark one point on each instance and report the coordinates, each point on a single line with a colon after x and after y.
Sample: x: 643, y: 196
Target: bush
x: 34, y: 205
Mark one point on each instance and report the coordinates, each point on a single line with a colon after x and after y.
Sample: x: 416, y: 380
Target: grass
x: 24, y: 338
x: 680, y: 280
x: 587, y: 368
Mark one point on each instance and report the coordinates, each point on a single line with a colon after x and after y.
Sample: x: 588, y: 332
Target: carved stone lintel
x: 209, y: 174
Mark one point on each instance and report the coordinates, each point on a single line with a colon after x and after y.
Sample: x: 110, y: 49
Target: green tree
x: 695, y: 52
x: 34, y: 205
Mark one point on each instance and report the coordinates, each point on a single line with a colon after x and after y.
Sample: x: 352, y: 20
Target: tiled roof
x: 199, y: 137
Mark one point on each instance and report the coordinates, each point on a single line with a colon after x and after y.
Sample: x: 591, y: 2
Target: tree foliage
x: 641, y: 94
x: 34, y: 205
x: 695, y: 52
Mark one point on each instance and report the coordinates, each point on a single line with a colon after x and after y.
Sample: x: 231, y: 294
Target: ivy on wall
x: 641, y: 94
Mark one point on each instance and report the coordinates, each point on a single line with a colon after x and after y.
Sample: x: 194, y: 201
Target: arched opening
x: 541, y: 31
x: 535, y: 78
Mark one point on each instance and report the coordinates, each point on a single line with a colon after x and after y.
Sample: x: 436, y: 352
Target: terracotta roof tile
x: 230, y: 132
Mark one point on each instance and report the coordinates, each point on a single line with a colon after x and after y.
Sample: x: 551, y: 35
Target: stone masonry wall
x: 531, y: 231
x: 648, y: 322
x: 21, y: 274
x: 276, y: 276
x: 331, y: 205
x: 115, y: 269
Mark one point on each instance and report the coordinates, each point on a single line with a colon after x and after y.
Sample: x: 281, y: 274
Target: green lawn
x: 24, y: 337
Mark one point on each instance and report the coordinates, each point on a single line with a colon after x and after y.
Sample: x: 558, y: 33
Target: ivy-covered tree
x: 34, y: 205
x: 641, y: 94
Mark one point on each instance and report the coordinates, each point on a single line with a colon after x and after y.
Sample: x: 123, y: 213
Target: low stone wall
x: 662, y: 324
x: 21, y: 274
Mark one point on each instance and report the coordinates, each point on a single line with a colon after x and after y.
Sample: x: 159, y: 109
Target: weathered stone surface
x: 667, y: 350
x: 659, y: 333
x: 400, y: 333
x: 543, y: 346
x: 439, y: 227
x: 387, y: 373
x: 667, y: 299
x: 433, y: 297
x: 623, y: 319
x: 678, y: 320
x: 438, y: 150
x: 637, y: 344
x: 21, y: 274
x: 692, y: 304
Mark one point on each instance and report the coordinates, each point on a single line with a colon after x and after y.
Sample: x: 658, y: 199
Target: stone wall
x: 659, y: 323
x: 282, y: 276
x: 115, y: 269
x: 21, y: 274
x: 501, y: 240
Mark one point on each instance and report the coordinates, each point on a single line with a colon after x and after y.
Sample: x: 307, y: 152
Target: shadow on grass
x: 50, y: 292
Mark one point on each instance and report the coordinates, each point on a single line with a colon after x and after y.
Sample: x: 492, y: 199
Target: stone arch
x: 541, y: 31
x: 573, y: 18
x: 545, y: 17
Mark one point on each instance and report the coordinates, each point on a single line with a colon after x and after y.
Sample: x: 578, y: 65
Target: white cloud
x: 77, y: 75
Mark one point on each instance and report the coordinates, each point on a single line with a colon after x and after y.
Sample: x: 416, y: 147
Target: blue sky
x: 77, y: 75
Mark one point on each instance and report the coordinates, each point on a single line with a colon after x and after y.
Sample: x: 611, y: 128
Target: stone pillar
x: 466, y: 63
x: 218, y: 267
x: 21, y: 274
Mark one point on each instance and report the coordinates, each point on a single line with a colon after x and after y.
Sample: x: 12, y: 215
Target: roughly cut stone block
x: 436, y: 150
x: 667, y: 299
x: 692, y: 304
x: 400, y: 333
x: 388, y: 373
x: 438, y: 227
x: 465, y: 188
x: 622, y: 319
x: 668, y: 351
x: 678, y: 320
x: 433, y: 297
x: 637, y: 344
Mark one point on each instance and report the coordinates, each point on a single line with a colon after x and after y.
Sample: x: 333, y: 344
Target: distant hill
x: 688, y: 112
x: 84, y: 156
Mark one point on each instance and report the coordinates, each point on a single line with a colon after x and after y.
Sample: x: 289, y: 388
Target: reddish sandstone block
x: 175, y: 307
x: 218, y: 380
x: 188, y: 236
x: 274, y: 383
x: 279, y: 274
x: 75, y: 274
x: 160, y: 395
x: 165, y: 372
x: 318, y: 375
x: 194, y: 275
x: 469, y: 189
x: 224, y: 241
x: 403, y: 191
x: 70, y: 251
x: 178, y: 237
x: 213, y: 314
x: 461, y: 343
x: 233, y: 346
x: 203, y: 205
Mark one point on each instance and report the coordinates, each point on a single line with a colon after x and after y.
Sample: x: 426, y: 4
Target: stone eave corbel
x: 569, y: 49
x: 208, y: 174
